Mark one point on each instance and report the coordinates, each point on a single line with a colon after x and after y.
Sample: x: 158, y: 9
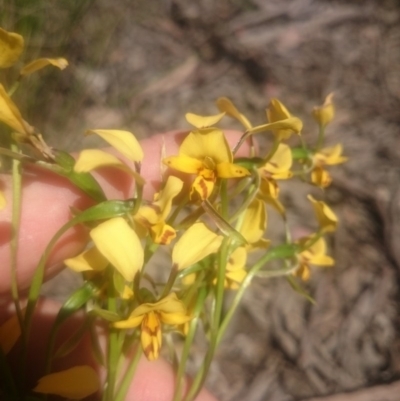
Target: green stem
x: 321, y: 136
x: 115, y: 341
x: 224, y: 198
x: 188, y: 343
x: 219, y: 296
x: 274, y: 253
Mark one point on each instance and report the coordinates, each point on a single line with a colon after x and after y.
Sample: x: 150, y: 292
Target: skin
x: 46, y: 201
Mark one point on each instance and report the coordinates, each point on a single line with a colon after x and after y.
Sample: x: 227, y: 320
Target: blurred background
x: 141, y: 65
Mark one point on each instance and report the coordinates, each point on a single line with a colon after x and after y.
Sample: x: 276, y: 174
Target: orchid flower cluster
x: 209, y: 217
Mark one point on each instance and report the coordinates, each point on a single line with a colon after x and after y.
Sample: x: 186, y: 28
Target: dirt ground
x: 142, y: 66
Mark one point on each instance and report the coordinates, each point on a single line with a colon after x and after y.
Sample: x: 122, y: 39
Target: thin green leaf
x: 72, y: 342
x: 299, y: 289
x: 84, y: 181
x: 75, y: 302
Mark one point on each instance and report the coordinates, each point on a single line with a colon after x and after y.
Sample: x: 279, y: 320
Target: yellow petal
x: 324, y: 114
x: 118, y: 243
x: 327, y: 220
x: 10, y: 115
x: 330, y: 156
x: 234, y: 278
x: 40, y: 63
x: 254, y: 221
x: 147, y: 216
x: 203, y: 121
x: 10, y: 331
x: 123, y: 141
x: 151, y: 336
x: 183, y: 163
x: 91, y: 159
x: 91, y: 259
x: 3, y: 202
x: 276, y: 111
x: 203, y: 187
x: 303, y: 271
x: 174, y: 319
x: 280, y: 163
x: 230, y: 170
x: 269, y: 189
x: 11, y: 47
x: 162, y: 233
x: 195, y: 244
x: 212, y: 146
x: 129, y: 323
x: 283, y: 128
x: 237, y: 260
x: 76, y: 383
x: 320, y: 177
x: 226, y: 106
x: 172, y: 188
x: 316, y: 253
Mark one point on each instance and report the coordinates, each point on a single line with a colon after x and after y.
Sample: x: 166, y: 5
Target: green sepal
x: 118, y: 281
x: 300, y: 153
x: 299, y: 289
x: 105, y: 314
x: 105, y: 210
x: 84, y: 181
x: 250, y: 163
x: 75, y: 302
x: 285, y: 251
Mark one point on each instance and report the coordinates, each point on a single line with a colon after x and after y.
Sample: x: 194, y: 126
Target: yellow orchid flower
x: 11, y: 47
x: 253, y: 225
x: 115, y: 242
x: 197, y: 242
x: 314, y: 255
x: 169, y: 310
x: 203, y: 123
x: 153, y: 216
x: 280, y: 122
x: 324, y: 114
x: 75, y: 383
x: 326, y: 157
x: 40, y: 63
x: 327, y: 220
x: 209, y: 157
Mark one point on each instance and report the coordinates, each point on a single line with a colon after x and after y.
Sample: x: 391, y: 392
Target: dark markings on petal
x: 203, y: 188
x: 147, y: 330
x: 166, y: 235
